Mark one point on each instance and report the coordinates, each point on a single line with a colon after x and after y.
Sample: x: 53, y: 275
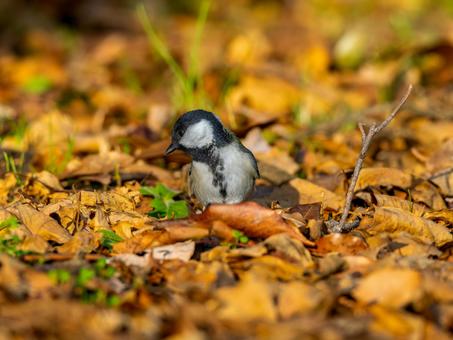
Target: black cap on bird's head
x: 197, y: 129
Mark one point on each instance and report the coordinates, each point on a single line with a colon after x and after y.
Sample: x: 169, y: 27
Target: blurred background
x: 103, y: 75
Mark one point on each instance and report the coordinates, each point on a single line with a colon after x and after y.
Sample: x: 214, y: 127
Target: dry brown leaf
x: 183, y: 233
x: 397, y: 220
x: 374, y: 177
x: 250, y: 300
x: 396, y: 202
x: 297, y: 298
x: 141, y: 261
x: 428, y: 194
x: 390, y: 287
x: 185, y: 276
x: 252, y: 219
x: 49, y: 180
x: 282, y: 245
x: 272, y: 96
x: 346, y: 244
x: 442, y: 158
x: 34, y: 243
x: 249, y: 47
x: 6, y: 184
x: 396, y: 323
x: 445, y: 184
x: 405, y: 244
x: 177, y: 251
x: 40, y: 224
x: 82, y: 242
x: 445, y: 216
x: 11, y: 281
x: 312, y: 193
x: 277, y: 159
x: 175, y: 231
x: 272, y: 268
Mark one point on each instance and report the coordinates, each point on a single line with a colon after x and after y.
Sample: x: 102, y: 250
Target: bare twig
x: 367, y: 137
x: 441, y: 173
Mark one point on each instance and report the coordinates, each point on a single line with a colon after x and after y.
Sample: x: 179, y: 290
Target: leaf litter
x: 99, y: 237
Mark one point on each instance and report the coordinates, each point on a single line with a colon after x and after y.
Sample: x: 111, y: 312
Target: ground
x: 99, y: 237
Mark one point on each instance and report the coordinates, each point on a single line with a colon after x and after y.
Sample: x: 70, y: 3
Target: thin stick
x: 367, y: 138
x: 441, y: 173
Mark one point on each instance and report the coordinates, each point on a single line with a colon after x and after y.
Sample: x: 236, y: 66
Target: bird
x: 223, y: 171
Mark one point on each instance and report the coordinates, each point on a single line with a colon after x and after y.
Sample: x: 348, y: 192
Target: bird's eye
x: 179, y: 133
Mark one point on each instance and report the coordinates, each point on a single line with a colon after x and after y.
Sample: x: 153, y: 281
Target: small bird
x: 222, y: 170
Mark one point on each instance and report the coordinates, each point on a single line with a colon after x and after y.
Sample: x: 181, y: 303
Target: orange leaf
x: 252, y: 219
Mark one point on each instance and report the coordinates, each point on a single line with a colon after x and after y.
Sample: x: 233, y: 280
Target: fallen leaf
x: 49, y: 180
x: 178, y: 251
x: 375, y: 177
x: 41, y: 224
x: 140, y: 261
x: 346, y: 244
x: 82, y: 242
x: 428, y: 194
x: 272, y: 96
x: 298, y: 298
x: 252, y: 219
x: 272, y: 268
x: 390, y: 287
x: 34, y: 243
x: 250, y: 300
x: 396, y: 202
x: 312, y: 193
x: 282, y: 245
x: 397, y: 220
x: 395, y: 323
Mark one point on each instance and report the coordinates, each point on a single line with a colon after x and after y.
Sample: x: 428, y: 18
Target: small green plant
x: 10, y: 223
x: 37, y: 84
x: 10, y: 166
x: 18, y: 129
x: 163, y: 202
x: 189, y: 87
x: 239, y: 237
x: 100, y: 270
x: 109, y: 238
x: 85, y: 275
x: 9, y: 245
x: 59, y: 276
x: 103, y: 269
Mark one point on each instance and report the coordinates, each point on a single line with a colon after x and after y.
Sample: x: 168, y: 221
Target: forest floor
x: 98, y: 236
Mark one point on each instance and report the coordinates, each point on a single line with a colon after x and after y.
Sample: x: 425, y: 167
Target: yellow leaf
x: 397, y: 220
x: 250, y: 300
x: 390, y: 287
x: 312, y: 193
x: 297, y: 298
x: 396, y: 202
x: 270, y: 96
x: 374, y: 177
x: 40, y: 224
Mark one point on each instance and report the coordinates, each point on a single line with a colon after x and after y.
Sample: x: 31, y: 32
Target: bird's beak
x: 172, y: 147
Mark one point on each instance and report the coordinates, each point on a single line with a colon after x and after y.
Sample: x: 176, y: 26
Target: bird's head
x: 197, y: 130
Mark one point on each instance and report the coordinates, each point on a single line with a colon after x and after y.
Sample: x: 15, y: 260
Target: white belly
x: 238, y: 173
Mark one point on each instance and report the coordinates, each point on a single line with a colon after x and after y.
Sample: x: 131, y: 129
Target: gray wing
x: 252, y: 159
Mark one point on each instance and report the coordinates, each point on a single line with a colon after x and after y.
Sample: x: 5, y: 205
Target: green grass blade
x: 159, y: 46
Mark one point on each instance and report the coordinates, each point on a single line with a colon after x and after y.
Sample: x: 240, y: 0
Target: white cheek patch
x: 198, y: 135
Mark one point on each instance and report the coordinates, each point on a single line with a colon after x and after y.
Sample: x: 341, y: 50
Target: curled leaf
x: 252, y: 219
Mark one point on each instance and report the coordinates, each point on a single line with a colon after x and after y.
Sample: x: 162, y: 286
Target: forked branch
x: 367, y: 137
